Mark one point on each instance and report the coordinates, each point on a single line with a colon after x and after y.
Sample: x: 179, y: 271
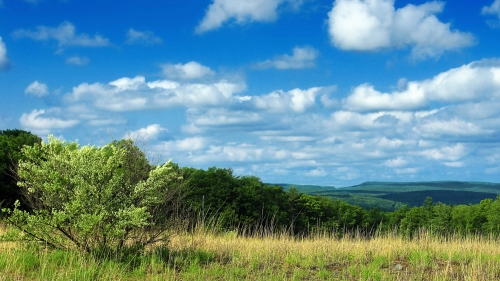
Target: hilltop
x: 389, y: 196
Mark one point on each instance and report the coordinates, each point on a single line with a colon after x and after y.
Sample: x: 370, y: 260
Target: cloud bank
x: 448, y: 120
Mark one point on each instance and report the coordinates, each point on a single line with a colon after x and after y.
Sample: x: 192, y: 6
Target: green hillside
x: 389, y: 196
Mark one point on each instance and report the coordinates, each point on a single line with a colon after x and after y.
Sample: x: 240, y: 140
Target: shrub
x: 91, y: 197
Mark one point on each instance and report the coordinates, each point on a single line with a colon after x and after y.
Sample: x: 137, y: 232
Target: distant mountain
x: 389, y: 196
x: 305, y: 188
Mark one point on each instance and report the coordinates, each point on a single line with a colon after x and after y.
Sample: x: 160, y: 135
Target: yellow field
x: 207, y: 256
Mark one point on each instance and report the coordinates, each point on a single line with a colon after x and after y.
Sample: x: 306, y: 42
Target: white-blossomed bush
x: 92, y: 198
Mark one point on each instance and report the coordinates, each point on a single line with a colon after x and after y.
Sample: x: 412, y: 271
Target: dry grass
x: 208, y: 256
x: 323, y: 258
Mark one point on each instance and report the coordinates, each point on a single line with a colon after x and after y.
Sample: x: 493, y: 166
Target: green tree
x: 11, y: 143
x: 86, y: 196
x: 440, y: 223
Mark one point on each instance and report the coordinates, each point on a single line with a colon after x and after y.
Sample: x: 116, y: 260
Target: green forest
x: 390, y: 196
x: 61, y: 179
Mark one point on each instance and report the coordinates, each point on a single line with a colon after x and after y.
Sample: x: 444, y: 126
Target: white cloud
x: 4, y: 59
x: 328, y: 102
x: 34, y: 121
x: 433, y: 128
x: 318, y: 172
x: 129, y: 94
x: 296, y: 100
x: 366, y: 98
x: 142, y: 37
x: 77, y: 60
x: 190, y: 144
x: 346, y: 120
x: 370, y: 25
x: 216, y: 117
x: 287, y: 138
x: 64, y: 34
x: 302, y: 57
x: 397, y: 162
x: 493, y: 9
x: 406, y: 171
x: 456, y: 164
x: 151, y: 132
x: 471, y: 82
x: 233, y: 152
x: 37, y: 89
x: 447, y: 153
x: 242, y: 11
x: 190, y: 70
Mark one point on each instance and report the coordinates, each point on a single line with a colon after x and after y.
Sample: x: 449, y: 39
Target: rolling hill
x: 389, y: 196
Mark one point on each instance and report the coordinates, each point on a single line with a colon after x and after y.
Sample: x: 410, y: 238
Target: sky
x: 291, y: 91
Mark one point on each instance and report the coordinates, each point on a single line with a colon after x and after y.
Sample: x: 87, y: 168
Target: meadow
x: 204, y: 254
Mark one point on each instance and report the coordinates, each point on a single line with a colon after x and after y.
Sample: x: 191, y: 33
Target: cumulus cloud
x: 318, y: 172
x: 36, y: 122
x: 396, y: 162
x: 190, y: 144
x: 4, y: 59
x: 37, y: 89
x: 366, y: 98
x: 241, y: 11
x: 232, y: 152
x: 370, y: 25
x: 471, y: 82
x: 188, y: 71
x: 296, y: 100
x: 64, y: 34
x: 77, y: 60
x: 142, y: 37
x: 129, y: 94
x: 454, y: 127
x: 151, y: 132
x: 218, y: 117
x: 302, y: 57
x: 450, y: 153
x: 348, y: 120
x: 493, y: 9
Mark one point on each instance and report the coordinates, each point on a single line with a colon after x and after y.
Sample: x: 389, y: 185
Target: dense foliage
x: 246, y: 201
x: 11, y: 143
x: 90, y: 197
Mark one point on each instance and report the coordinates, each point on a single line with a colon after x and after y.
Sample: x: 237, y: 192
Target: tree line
x: 101, y: 197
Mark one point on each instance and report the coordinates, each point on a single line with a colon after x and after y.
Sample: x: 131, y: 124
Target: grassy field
x: 208, y: 256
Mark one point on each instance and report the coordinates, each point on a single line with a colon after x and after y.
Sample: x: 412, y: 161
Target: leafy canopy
x: 11, y: 143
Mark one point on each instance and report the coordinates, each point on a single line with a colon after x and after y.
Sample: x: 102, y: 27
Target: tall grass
x: 208, y: 253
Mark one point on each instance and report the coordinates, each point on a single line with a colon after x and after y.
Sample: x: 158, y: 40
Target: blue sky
x: 292, y: 91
